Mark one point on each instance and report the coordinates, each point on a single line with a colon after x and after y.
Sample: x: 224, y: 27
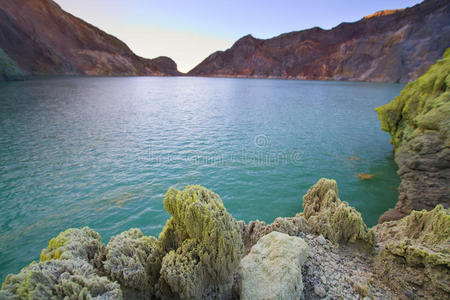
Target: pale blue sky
x: 188, y: 31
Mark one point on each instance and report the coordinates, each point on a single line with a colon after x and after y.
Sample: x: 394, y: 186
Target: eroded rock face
x: 326, y: 214
x: 394, y: 46
x: 415, y: 253
x: 418, y: 122
x: 273, y: 268
x: 43, y: 39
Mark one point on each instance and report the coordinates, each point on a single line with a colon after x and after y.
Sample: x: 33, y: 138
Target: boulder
x: 273, y: 268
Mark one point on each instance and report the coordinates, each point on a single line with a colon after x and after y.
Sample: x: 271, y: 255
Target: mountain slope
x: 43, y: 39
x: 393, y: 46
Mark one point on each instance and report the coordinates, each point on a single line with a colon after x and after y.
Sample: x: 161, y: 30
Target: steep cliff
x: 419, y: 123
x: 389, y: 46
x: 45, y: 40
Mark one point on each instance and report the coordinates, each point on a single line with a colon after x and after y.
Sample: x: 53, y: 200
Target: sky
x: 190, y: 30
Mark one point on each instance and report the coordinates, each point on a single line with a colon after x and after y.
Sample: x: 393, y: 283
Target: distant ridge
x: 45, y: 40
x: 388, y: 46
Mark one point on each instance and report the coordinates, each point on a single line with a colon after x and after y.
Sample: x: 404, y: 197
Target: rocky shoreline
x: 200, y: 254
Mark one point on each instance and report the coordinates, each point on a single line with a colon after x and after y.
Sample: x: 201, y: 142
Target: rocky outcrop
x: 9, y: 70
x: 201, y: 246
x: 326, y: 214
x: 43, y: 39
x: 273, y: 268
x: 418, y: 122
x: 395, y: 46
x: 415, y: 253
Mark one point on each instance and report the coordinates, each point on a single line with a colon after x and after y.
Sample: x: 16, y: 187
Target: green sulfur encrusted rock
x: 74, y: 243
x: 419, y: 124
x: 200, y: 246
x: 415, y: 253
x: 127, y: 262
x: 59, y: 279
x: 334, y: 219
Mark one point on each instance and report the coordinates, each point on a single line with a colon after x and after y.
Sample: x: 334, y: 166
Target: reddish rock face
x: 44, y: 39
x: 389, y: 46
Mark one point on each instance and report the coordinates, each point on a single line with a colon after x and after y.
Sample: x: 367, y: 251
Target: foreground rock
x: 273, y: 268
x: 392, y: 46
x: 43, y: 39
x: 415, y: 253
x: 418, y: 122
x: 199, y: 248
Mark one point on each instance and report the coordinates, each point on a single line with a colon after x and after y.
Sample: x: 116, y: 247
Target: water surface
x: 102, y: 152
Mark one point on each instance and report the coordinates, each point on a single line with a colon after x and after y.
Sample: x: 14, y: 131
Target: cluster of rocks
x: 200, y: 254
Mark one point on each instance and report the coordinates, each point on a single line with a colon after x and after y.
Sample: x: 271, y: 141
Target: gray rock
x: 320, y: 291
x: 273, y: 268
x: 321, y: 240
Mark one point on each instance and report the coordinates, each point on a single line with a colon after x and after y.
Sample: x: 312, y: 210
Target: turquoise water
x: 102, y: 152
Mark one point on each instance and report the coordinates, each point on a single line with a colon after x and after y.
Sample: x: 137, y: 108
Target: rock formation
x: 415, y: 253
x: 392, y: 46
x: 127, y: 262
x: 273, y: 268
x: 326, y: 214
x: 201, y: 244
x: 419, y: 124
x: 45, y: 40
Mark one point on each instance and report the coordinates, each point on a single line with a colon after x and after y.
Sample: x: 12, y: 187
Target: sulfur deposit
x: 415, y: 253
x: 334, y: 219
